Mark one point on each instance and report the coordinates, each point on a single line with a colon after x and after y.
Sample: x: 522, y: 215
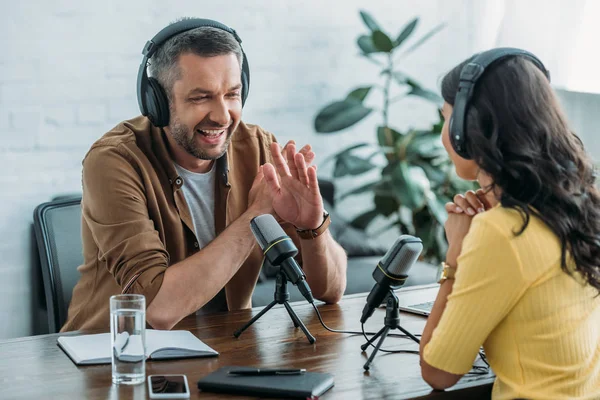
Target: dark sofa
x: 363, y: 256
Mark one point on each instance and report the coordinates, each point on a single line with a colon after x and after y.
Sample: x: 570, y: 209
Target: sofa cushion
x: 354, y: 241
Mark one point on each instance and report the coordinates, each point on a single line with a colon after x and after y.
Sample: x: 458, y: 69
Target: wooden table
x: 35, y: 367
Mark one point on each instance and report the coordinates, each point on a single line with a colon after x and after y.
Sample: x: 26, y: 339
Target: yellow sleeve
x: 487, y: 285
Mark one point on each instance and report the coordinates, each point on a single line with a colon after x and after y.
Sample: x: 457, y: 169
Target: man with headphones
x: 168, y: 196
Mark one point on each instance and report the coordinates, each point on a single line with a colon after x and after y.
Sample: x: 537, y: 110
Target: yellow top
x: 540, y: 327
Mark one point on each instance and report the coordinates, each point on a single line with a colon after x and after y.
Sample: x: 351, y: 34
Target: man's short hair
x: 203, y: 41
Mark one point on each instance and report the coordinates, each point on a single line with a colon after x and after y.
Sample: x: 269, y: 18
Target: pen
x: 266, y: 371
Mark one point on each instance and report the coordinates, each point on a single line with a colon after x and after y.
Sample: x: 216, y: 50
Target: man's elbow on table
x: 161, y: 317
x: 159, y: 320
x: 331, y: 298
x: 332, y: 295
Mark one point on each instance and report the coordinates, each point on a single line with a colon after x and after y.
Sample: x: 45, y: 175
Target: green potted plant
x: 415, y: 177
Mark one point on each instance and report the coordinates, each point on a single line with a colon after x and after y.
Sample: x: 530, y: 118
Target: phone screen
x: 168, y: 384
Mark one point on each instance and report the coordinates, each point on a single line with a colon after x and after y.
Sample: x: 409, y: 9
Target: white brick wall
x: 68, y: 70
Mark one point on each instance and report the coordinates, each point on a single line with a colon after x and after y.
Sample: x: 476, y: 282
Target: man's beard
x: 181, y: 134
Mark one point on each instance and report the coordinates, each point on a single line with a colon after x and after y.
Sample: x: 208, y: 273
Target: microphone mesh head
x: 266, y: 229
x: 402, y: 255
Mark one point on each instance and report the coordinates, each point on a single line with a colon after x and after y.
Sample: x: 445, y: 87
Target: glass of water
x: 128, y: 338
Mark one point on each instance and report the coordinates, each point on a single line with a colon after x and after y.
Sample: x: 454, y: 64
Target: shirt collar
x: 160, y: 148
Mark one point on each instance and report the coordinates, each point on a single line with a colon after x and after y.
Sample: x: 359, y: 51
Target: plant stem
x: 386, y: 92
x: 374, y: 61
x: 389, y: 139
x: 399, y: 97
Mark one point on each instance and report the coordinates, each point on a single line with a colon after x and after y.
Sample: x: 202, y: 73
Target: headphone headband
x: 151, y: 97
x: 469, y: 76
x: 182, y: 26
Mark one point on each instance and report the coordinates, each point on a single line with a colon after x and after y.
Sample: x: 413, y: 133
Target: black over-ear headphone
x: 152, y: 98
x: 469, y: 76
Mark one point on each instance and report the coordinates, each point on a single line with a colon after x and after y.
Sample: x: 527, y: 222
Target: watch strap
x: 448, y: 272
x: 314, y: 233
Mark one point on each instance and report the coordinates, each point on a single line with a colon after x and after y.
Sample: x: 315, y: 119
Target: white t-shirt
x: 199, y: 192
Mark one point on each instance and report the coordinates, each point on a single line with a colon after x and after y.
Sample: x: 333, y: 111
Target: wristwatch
x: 314, y: 233
x: 445, y: 272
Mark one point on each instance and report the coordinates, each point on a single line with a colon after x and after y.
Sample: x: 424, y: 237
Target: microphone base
x: 391, y: 322
x: 281, y: 296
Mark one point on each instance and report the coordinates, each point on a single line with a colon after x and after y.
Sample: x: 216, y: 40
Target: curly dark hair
x: 517, y: 133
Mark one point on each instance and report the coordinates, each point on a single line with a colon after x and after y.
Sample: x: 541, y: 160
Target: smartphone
x: 168, y: 387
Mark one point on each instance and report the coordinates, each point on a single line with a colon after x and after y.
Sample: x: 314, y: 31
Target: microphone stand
x: 282, y: 295
x: 391, y: 321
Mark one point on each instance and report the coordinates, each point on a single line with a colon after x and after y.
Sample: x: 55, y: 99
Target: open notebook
x: 160, y: 345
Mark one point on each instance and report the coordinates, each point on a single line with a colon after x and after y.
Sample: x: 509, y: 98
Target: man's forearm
x: 191, y: 283
x: 324, y: 263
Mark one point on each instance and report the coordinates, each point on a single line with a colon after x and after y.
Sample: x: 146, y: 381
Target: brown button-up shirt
x: 136, y: 222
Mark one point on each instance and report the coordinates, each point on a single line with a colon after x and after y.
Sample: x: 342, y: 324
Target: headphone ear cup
x: 245, y: 87
x: 451, y: 132
x: 245, y: 78
x: 457, y: 147
x: 157, y: 104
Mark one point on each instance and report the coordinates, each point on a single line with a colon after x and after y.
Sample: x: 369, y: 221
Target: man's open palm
x: 294, y: 187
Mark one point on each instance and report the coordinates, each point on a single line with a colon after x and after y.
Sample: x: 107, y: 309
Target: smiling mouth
x: 211, y: 133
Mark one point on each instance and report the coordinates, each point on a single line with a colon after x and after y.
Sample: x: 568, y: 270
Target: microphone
x: 391, y: 271
x: 280, y: 250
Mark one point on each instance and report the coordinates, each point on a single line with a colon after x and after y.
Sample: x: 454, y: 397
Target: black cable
x: 484, y: 357
x: 352, y: 332
x: 384, y: 350
x: 477, y: 369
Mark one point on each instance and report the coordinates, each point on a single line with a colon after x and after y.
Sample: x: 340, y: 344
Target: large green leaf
x: 425, y: 229
x: 439, y: 125
x: 352, y: 148
x: 406, y: 32
x: 386, y: 205
x: 400, y: 77
x: 340, y: 115
x: 359, y: 93
x: 402, y: 145
x: 382, y: 41
x: 436, y: 176
x: 366, y: 45
x: 346, y: 150
x: 349, y: 164
x: 379, y: 187
x: 387, y: 136
x: 388, y: 170
x: 437, y: 207
x: 426, y: 145
x: 401, y: 227
x: 358, y: 190
x: 410, y: 184
x: 425, y: 38
x: 458, y: 184
x: 384, y: 187
x: 363, y: 220
x: 417, y: 90
x: 369, y: 21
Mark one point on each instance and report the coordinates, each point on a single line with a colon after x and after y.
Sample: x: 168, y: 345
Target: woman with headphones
x: 522, y: 275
